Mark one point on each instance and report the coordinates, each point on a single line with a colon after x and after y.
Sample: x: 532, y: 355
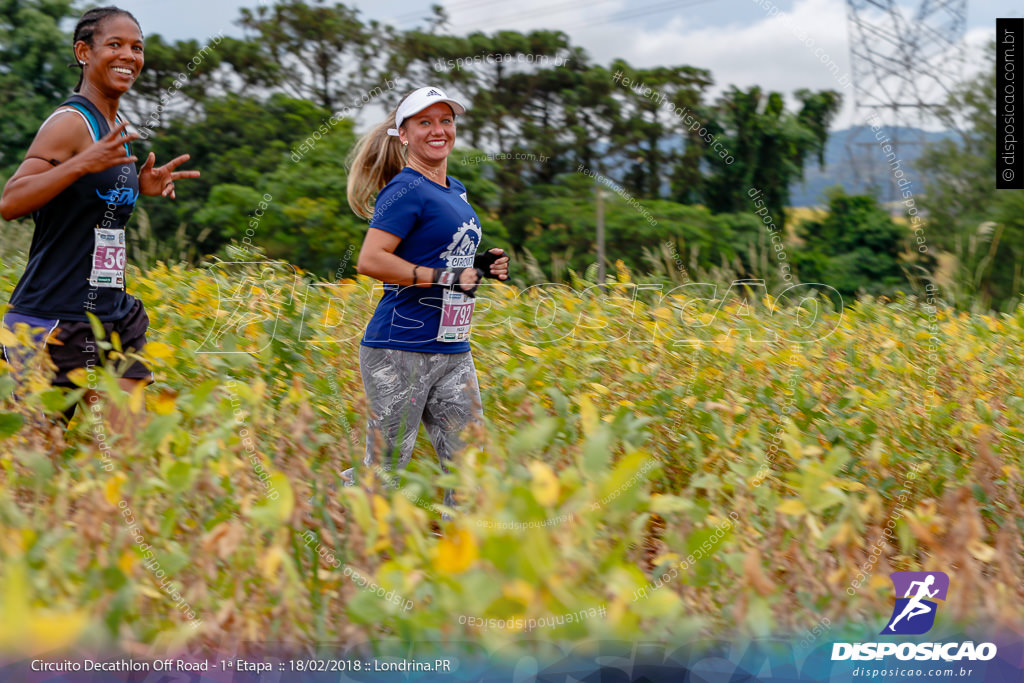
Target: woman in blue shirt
x: 422, y: 243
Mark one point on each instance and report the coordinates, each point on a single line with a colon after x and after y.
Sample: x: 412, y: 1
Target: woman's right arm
x: 378, y: 260
x: 66, y: 140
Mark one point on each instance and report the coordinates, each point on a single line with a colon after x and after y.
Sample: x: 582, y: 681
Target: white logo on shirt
x: 463, y: 195
x: 462, y: 250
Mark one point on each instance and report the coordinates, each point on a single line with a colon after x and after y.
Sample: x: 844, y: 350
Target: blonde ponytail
x: 373, y: 162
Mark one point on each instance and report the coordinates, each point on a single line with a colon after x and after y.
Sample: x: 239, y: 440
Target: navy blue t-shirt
x: 77, y: 257
x: 439, y: 229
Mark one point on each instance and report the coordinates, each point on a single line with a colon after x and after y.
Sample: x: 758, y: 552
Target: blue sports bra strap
x: 93, y: 124
x: 94, y: 127
x: 117, y: 121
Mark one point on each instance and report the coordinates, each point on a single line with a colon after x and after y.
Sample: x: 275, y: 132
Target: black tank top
x: 76, y: 261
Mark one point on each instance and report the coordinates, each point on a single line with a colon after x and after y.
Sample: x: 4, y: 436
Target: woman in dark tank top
x: 80, y: 184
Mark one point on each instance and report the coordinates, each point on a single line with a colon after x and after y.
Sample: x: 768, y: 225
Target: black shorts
x: 78, y: 347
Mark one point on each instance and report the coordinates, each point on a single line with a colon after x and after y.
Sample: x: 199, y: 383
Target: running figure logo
x: 914, y: 612
x: 119, y: 196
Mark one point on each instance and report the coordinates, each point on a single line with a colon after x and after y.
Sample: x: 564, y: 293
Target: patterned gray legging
x: 405, y: 388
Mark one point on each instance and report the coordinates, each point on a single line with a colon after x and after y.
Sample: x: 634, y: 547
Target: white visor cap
x: 420, y: 100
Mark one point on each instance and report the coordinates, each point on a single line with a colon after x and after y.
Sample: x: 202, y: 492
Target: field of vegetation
x: 655, y: 465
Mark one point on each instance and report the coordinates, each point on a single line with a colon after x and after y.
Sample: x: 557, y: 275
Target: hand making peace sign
x: 160, y: 181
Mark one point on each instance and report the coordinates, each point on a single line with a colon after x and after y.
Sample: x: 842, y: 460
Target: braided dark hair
x: 86, y: 28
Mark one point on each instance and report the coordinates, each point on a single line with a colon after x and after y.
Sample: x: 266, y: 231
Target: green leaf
x: 621, y: 478
x: 504, y: 608
x: 759, y: 617
x: 174, y: 560
x: 114, y: 578
x: 10, y: 423
x: 908, y: 541
x: 7, y: 386
x: 97, y: 326
x: 367, y: 608
x: 201, y: 392
x: 168, y: 520
x: 57, y: 400
x: 158, y: 428
x: 533, y: 439
x: 703, y: 543
x: 666, y: 504
x: 179, y: 476
x: 597, y: 452
x: 276, y: 507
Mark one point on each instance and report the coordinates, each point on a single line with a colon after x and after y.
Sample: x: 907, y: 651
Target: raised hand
x: 160, y: 180
x: 107, y: 152
x: 493, y: 262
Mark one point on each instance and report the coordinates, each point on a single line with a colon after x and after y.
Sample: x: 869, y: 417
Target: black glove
x: 449, y: 277
x: 485, y: 260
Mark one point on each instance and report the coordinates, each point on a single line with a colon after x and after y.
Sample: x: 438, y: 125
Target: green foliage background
x: 639, y: 424
x: 634, y: 454
x: 253, y: 101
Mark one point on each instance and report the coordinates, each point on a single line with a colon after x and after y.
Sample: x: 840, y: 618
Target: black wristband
x: 449, y: 277
x: 485, y: 260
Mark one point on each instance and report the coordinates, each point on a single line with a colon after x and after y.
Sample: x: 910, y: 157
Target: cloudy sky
x: 737, y: 40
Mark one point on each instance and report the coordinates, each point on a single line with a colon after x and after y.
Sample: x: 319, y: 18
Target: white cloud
x: 735, y: 40
x: 781, y: 53
x: 752, y: 48
x: 774, y: 52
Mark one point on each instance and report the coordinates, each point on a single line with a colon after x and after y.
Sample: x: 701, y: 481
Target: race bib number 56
x: 108, y: 257
x: 456, y: 316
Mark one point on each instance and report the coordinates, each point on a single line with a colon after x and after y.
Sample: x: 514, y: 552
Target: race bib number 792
x: 456, y: 316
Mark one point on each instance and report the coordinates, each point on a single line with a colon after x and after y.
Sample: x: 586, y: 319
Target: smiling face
x: 115, y: 57
x: 430, y: 134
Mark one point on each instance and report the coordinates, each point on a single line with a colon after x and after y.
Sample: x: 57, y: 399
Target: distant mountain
x: 854, y: 158
x: 858, y: 162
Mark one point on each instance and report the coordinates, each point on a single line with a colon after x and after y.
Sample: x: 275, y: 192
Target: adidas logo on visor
x: 433, y: 93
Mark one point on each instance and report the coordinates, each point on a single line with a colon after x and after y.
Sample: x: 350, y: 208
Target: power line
x: 615, y: 18
x: 564, y: 7
x: 466, y: 4
x: 652, y: 9
x: 556, y: 9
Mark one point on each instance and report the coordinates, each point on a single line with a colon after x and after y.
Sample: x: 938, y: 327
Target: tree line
x: 274, y: 113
